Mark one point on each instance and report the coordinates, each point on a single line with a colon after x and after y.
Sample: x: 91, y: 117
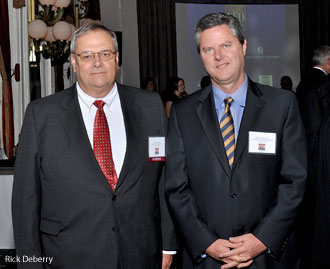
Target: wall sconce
x: 50, y: 33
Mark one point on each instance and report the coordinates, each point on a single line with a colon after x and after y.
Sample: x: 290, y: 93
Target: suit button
x: 114, y: 197
x: 233, y: 195
x: 113, y: 229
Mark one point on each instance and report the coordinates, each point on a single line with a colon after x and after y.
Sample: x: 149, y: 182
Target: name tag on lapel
x: 262, y: 143
x: 157, y: 149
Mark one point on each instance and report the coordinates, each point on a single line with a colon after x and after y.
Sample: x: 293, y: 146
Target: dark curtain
x: 237, y: 2
x: 314, y: 24
x: 157, y: 40
x: 157, y: 34
x: 5, y: 65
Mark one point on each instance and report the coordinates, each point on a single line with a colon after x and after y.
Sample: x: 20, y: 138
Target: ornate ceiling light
x: 51, y: 33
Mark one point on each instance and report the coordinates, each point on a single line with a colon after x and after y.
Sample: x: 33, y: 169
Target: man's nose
x: 97, y: 60
x: 218, y: 55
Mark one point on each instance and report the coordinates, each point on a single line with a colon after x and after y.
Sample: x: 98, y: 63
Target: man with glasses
x: 88, y: 178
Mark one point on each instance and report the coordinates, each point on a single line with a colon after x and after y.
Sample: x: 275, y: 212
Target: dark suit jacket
x: 307, y: 97
x: 63, y: 206
x: 319, y: 200
x: 260, y: 195
x: 313, y: 105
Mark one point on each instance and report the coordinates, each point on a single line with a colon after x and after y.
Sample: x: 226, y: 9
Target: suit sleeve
x: 168, y: 232
x: 179, y: 194
x: 26, y: 194
x: 277, y: 225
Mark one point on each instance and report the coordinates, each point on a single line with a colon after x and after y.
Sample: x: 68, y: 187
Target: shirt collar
x: 88, y: 100
x: 239, y: 96
x: 319, y: 68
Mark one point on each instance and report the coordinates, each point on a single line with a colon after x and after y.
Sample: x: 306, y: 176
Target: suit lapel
x: 209, y: 121
x: 249, y: 120
x: 73, y: 124
x: 132, y: 119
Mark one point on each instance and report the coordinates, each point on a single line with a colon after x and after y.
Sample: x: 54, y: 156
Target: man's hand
x: 220, y: 247
x: 167, y: 261
x: 245, y: 253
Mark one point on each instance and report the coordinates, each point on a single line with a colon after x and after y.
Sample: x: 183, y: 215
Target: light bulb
x: 61, y: 30
x: 62, y: 3
x: 37, y: 29
x: 98, y: 22
x: 49, y: 37
x: 47, y: 2
x: 73, y: 29
x: 86, y: 22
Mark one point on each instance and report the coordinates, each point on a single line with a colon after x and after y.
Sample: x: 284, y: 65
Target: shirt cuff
x: 169, y: 252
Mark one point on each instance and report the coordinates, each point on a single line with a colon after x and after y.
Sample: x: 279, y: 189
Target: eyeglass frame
x: 112, y: 53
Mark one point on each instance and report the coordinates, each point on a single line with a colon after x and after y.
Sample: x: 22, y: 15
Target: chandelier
x: 51, y: 33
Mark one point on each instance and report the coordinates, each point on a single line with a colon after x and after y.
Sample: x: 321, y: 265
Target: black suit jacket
x: 318, y: 205
x: 260, y: 195
x: 313, y: 105
x: 64, y: 208
x: 308, y: 96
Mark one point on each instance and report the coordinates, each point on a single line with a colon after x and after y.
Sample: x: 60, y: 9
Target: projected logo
x: 260, y: 50
x: 239, y: 12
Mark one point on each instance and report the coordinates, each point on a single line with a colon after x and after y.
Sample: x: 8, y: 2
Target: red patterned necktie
x: 102, y: 145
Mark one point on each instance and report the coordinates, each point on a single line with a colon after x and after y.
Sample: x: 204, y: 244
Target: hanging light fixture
x: 50, y: 33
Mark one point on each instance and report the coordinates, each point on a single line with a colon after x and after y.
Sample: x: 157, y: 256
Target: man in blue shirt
x: 236, y: 160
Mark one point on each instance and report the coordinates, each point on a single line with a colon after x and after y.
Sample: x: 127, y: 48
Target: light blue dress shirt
x: 236, y: 108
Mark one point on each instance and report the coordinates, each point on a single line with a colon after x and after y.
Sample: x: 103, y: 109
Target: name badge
x: 157, y: 149
x: 262, y: 143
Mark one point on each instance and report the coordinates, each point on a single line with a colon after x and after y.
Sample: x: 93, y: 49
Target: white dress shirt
x: 115, y: 118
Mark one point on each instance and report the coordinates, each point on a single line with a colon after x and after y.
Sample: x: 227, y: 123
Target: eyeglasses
x: 88, y: 56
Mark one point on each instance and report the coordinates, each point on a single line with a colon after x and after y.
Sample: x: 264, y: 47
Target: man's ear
x: 73, y: 62
x: 117, y: 59
x: 328, y: 65
x: 244, y: 46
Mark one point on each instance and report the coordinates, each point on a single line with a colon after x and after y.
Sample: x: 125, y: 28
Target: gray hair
x: 321, y: 55
x: 215, y: 19
x: 92, y: 28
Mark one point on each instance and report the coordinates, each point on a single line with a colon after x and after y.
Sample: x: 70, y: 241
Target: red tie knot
x: 99, y: 104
